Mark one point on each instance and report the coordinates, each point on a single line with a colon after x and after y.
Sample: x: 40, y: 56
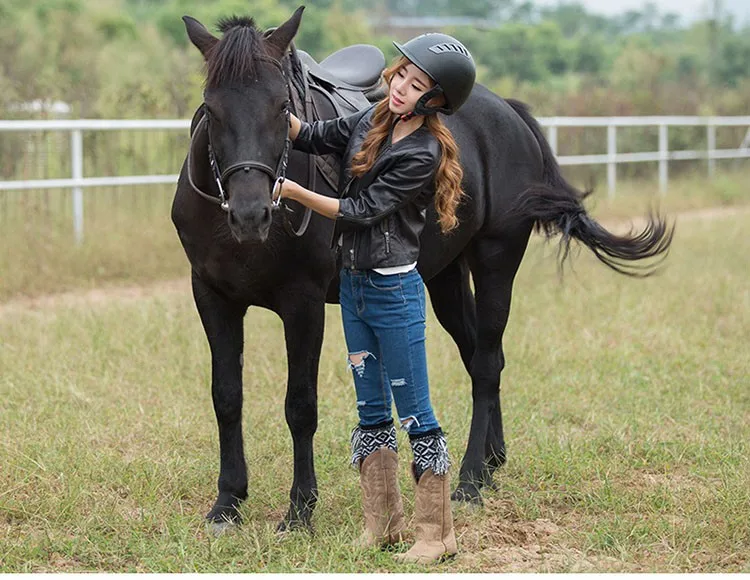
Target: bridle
x: 278, y: 176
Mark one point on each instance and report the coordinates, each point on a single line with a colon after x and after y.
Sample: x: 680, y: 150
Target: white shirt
x: 396, y: 269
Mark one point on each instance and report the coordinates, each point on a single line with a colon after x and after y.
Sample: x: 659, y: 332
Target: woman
x: 399, y: 157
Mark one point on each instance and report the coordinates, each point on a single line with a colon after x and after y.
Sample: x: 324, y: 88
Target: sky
x: 687, y: 9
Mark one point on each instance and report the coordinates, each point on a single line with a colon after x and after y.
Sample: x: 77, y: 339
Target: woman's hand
x: 288, y: 189
x: 284, y: 190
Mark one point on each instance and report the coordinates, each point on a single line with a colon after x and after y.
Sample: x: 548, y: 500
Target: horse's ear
x: 199, y: 36
x: 280, y: 39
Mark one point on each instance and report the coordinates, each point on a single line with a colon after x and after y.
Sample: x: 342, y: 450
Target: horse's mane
x: 232, y: 60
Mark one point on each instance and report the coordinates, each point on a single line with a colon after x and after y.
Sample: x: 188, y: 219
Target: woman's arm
x: 325, y: 206
x: 391, y: 190
x: 294, y: 126
x: 321, y: 137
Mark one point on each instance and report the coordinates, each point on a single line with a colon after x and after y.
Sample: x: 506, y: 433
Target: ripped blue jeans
x: 384, y: 327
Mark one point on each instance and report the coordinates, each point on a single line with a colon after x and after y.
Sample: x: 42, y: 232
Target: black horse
x: 241, y: 254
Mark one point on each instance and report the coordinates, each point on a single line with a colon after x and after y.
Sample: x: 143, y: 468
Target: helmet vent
x: 449, y: 47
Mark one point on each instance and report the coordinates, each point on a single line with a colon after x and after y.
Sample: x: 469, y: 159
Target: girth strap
x: 308, y: 116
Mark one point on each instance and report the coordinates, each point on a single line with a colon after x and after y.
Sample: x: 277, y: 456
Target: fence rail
x: 663, y: 155
x: 611, y: 158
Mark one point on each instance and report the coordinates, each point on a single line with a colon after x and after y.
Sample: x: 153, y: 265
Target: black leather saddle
x: 349, y: 80
x: 353, y: 71
x: 353, y: 67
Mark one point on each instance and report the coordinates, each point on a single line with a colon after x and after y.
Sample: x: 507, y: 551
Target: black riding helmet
x: 447, y: 62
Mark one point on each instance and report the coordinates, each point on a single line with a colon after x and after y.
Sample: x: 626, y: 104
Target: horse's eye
x: 212, y: 115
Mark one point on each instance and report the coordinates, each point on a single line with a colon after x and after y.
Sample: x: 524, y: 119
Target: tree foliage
x: 131, y: 58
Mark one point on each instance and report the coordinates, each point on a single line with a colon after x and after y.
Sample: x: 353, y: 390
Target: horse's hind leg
x: 453, y: 304
x: 222, y: 321
x: 494, y: 264
x: 303, y: 315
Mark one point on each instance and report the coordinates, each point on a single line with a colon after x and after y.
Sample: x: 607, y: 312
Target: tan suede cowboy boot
x: 381, y: 500
x: 436, y: 538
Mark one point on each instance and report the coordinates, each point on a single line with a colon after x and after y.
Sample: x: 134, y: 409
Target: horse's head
x: 246, y: 100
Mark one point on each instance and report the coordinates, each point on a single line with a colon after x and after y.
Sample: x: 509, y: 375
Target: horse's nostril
x: 232, y: 217
x: 249, y: 217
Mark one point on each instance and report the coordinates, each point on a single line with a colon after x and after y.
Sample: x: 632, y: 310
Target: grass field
x: 626, y: 406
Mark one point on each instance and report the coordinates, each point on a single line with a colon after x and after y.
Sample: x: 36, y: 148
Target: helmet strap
x: 421, y: 107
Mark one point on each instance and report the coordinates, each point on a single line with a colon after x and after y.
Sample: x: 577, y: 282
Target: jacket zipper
x: 346, y: 187
x: 387, y: 234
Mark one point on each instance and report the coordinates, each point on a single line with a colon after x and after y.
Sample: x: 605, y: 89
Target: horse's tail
x: 556, y: 207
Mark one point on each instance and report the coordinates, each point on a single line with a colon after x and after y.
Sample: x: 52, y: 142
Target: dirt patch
x: 62, y: 563
x: 525, y: 546
x: 675, y: 481
x: 502, y: 542
x: 539, y: 559
x: 94, y: 296
x: 624, y: 226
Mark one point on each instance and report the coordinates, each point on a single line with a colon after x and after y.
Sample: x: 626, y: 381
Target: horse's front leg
x: 222, y: 321
x: 303, y: 315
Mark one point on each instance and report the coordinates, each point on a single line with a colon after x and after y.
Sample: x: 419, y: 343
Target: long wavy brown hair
x: 448, y: 191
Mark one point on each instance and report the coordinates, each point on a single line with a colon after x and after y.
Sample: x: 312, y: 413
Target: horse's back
x: 501, y: 158
x: 500, y: 154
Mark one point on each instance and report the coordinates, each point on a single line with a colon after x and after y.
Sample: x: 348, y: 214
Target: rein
x: 220, y: 177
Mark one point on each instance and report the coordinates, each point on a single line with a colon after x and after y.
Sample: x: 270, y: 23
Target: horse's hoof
x: 468, y: 494
x: 492, y: 486
x: 462, y: 507
x: 225, y: 510
x: 286, y: 526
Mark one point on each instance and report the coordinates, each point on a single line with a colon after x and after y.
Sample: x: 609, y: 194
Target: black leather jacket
x: 383, y: 212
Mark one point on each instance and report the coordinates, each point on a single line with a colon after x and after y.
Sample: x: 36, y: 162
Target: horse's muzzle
x: 250, y: 223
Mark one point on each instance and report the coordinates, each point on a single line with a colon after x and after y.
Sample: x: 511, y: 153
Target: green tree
x: 734, y: 59
x: 126, y: 58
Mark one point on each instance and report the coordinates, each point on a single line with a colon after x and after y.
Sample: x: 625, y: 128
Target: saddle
x: 349, y: 80
x: 352, y: 72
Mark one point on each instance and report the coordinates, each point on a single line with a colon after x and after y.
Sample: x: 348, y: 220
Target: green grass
x: 128, y: 238
x: 626, y: 408
x: 687, y: 191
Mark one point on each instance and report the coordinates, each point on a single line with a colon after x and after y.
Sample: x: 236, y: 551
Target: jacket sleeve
x: 391, y: 190
x: 330, y: 136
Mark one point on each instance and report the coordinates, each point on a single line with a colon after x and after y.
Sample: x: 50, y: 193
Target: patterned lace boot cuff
x: 430, y: 452
x: 365, y: 441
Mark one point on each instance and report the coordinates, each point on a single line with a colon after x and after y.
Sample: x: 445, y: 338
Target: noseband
x: 220, y: 176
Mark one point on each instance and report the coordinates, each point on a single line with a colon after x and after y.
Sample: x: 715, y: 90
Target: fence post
x: 611, y: 160
x: 552, y: 138
x: 663, y: 159
x: 711, y: 147
x: 76, y: 148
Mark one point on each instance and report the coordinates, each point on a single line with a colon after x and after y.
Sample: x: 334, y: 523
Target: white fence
x: 611, y: 158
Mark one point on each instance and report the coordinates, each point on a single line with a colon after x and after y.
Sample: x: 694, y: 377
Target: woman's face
x: 408, y: 84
